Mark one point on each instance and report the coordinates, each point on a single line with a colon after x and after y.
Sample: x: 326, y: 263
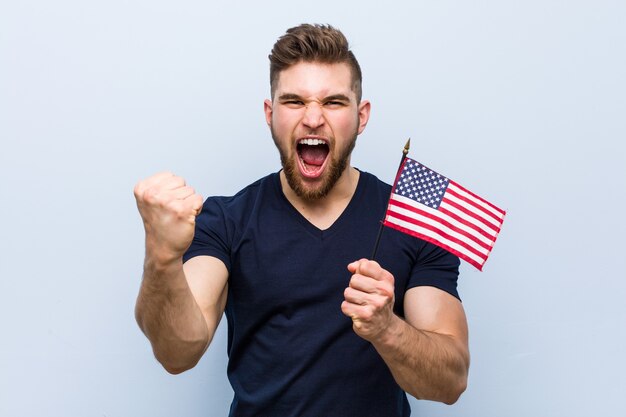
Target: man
x: 314, y: 329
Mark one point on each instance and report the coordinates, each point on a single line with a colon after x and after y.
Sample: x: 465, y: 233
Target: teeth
x: 311, y: 142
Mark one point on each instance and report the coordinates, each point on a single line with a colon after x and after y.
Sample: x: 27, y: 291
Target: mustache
x: 316, y: 132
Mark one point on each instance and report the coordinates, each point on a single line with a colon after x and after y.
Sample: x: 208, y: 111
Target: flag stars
x: 421, y: 184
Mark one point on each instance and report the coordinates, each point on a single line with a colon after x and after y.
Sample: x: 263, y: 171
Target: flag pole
x: 405, y: 152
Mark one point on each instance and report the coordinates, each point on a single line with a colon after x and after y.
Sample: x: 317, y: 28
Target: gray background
x: 521, y: 101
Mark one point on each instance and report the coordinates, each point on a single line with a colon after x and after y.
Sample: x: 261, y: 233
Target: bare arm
x: 178, y: 307
x: 428, y: 352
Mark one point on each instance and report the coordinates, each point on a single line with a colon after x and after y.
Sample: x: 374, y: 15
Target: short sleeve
x: 435, y: 267
x: 212, y: 235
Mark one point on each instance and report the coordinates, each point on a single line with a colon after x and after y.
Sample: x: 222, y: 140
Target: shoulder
x: 414, y: 261
x: 219, y: 224
x: 373, y: 185
x: 241, y: 202
x: 225, y: 214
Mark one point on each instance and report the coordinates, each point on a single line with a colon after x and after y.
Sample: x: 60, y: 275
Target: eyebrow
x: 334, y: 97
x: 337, y: 97
x: 289, y: 96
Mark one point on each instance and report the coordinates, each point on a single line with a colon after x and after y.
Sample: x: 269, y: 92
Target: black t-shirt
x: 291, y: 350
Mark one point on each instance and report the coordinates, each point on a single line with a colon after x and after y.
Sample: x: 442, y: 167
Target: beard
x: 335, y: 168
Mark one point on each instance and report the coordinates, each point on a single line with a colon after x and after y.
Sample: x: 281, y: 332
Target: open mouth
x: 312, y: 155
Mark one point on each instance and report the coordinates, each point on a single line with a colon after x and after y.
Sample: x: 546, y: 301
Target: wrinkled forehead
x: 308, y: 79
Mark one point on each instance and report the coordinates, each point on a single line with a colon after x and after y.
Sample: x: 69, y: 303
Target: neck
x: 324, y: 211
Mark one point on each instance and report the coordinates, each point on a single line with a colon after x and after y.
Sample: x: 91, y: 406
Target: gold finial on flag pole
x: 405, y: 151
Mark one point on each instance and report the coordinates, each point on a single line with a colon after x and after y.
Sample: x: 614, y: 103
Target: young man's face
x: 315, y: 119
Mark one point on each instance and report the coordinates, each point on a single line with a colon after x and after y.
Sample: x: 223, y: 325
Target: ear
x: 267, y: 108
x: 364, y: 114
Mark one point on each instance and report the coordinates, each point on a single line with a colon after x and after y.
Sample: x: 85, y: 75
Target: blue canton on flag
x: 421, y: 184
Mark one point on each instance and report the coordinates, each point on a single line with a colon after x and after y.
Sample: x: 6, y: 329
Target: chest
x: 284, y: 266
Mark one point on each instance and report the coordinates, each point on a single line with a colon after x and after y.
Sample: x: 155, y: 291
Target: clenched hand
x: 168, y: 207
x: 369, y: 299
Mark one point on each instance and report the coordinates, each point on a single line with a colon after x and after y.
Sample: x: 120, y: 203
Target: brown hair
x: 313, y: 43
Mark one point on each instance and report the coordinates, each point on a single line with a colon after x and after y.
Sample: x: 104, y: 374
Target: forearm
x: 425, y: 364
x: 169, y: 316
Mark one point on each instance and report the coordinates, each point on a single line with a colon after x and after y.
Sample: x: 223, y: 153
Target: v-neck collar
x: 310, y: 227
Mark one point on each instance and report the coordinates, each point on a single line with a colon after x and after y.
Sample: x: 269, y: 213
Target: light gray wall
x: 521, y: 101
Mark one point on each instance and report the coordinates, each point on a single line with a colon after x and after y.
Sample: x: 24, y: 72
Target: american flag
x: 434, y: 208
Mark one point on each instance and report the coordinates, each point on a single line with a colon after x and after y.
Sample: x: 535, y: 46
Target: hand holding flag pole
x: 405, y: 152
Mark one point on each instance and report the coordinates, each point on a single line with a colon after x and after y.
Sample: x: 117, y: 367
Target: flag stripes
x: 443, y: 213
x: 429, y: 236
x: 434, y: 217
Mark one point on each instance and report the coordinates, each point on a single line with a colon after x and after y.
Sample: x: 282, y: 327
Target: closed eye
x: 291, y: 100
x: 334, y: 103
x: 337, y: 100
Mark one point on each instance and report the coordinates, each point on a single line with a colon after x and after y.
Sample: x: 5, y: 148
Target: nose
x: 313, y: 115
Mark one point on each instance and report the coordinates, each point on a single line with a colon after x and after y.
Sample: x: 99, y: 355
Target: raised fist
x: 168, y: 208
